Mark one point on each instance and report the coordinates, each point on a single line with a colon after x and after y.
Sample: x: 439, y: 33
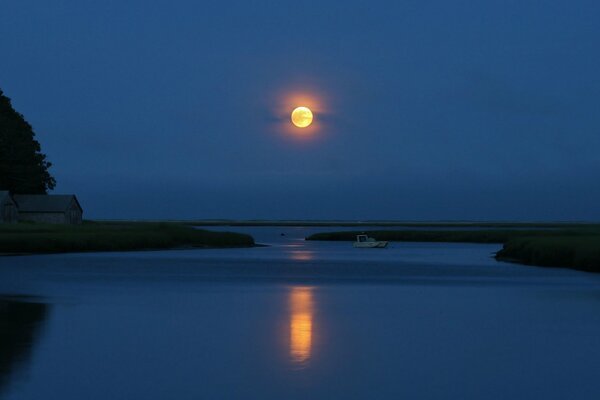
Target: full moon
x: 302, y: 117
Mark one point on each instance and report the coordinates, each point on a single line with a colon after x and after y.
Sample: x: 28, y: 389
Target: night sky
x: 425, y: 109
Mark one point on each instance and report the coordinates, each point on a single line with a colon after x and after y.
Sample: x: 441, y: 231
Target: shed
x: 8, y: 209
x: 50, y: 209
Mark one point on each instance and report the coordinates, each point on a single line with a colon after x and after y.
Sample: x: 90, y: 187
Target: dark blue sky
x: 426, y: 109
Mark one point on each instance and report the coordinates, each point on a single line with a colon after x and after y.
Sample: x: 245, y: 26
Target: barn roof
x: 44, y: 202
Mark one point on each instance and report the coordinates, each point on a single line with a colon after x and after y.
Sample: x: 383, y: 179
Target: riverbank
x: 577, y: 252
x: 31, y: 238
x: 577, y: 248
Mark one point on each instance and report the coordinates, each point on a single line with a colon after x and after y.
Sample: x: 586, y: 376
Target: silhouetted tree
x: 23, y: 168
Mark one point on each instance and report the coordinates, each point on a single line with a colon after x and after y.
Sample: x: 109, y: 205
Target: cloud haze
x: 426, y: 109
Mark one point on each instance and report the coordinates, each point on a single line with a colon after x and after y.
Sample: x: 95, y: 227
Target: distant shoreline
x: 376, y: 223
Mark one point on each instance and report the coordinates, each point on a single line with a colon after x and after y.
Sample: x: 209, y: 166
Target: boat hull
x: 370, y: 245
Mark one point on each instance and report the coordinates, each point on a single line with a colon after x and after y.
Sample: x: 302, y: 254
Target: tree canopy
x: 23, y: 167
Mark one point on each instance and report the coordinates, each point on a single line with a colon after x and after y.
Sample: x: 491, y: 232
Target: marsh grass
x: 111, y: 236
x: 578, y: 252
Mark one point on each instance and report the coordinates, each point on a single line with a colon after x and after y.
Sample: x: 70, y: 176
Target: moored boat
x: 363, y: 241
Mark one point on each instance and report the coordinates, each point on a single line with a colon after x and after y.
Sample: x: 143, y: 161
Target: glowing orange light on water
x: 301, y: 324
x: 302, y: 255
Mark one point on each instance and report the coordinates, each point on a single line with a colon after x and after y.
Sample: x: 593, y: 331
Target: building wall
x: 74, y: 214
x: 8, y: 212
x: 47, y: 218
x: 71, y: 216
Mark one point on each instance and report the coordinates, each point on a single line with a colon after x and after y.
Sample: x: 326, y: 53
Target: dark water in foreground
x: 296, y: 320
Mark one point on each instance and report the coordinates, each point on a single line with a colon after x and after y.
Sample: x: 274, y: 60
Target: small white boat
x: 363, y: 241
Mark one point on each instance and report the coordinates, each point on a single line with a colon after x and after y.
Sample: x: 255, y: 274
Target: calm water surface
x: 297, y: 320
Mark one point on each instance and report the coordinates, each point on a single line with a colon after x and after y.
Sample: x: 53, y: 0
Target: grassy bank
x: 111, y: 236
x: 578, y: 252
x: 572, y: 248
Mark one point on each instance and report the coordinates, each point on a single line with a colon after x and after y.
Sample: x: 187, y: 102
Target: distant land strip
x: 386, y: 223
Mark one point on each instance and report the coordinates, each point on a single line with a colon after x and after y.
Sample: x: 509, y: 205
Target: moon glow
x: 302, y: 117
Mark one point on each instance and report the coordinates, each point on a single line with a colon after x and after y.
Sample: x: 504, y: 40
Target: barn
x: 8, y: 209
x: 49, y: 209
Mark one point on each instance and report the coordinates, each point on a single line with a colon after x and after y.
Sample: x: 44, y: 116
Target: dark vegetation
x: 111, y: 236
x: 23, y: 167
x: 578, y: 252
x: 577, y: 248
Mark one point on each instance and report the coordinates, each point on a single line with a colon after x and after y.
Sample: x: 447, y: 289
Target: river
x: 296, y: 320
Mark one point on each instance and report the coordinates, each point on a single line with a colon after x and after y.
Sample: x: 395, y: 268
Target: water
x: 297, y: 320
